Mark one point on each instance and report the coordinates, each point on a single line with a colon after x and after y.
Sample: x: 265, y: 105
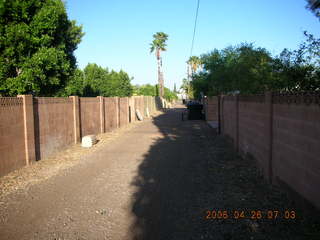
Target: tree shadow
x: 190, y: 170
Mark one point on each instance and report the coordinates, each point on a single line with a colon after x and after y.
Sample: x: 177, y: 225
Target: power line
x: 195, y: 26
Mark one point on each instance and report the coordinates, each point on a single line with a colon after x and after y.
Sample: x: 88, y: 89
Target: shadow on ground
x: 190, y: 171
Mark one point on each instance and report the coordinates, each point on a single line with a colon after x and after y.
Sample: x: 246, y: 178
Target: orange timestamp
x: 252, y: 214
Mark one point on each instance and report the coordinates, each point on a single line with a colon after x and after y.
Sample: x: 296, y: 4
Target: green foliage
x: 169, y: 95
x: 194, y: 63
x: 248, y: 70
x: 97, y: 81
x: 159, y: 43
x: 187, y: 88
x: 314, y: 6
x: 37, y: 41
x: 152, y: 90
x: 145, y: 90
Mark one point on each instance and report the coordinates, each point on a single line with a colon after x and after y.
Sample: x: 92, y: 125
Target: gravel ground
x: 160, y: 179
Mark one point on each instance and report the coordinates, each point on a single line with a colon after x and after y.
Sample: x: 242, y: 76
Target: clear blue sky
x: 118, y: 33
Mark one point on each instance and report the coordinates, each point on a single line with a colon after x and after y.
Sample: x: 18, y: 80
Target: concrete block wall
x: 281, y: 131
x: 53, y: 125
x: 34, y: 128
x: 89, y: 115
x: 139, y: 105
x: 296, y: 148
x: 252, y: 127
x: 111, y: 113
x: 211, y: 108
x: 229, y: 115
x: 12, y: 144
x: 123, y: 111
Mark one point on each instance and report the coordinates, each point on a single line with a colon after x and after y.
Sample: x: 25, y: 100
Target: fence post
x: 101, y: 111
x: 76, y: 118
x: 269, y: 134
x: 219, y: 114
x: 28, y: 124
x: 118, y: 112
x: 237, y: 124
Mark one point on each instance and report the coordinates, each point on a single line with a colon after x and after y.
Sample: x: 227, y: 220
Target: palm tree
x: 159, y: 44
x: 194, y: 63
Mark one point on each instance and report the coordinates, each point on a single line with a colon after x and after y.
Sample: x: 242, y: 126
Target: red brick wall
x: 53, y: 122
x: 89, y: 116
x: 12, y: 148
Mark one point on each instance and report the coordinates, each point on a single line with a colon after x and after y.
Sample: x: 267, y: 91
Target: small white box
x: 88, y: 141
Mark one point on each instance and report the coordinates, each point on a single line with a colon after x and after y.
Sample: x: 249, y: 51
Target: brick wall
x: 12, y: 145
x: 282, y: 132
x: 34, y: 128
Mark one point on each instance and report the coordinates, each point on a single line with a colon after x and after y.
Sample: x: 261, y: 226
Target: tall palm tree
x: 159, y: 44
x: 194, y: 63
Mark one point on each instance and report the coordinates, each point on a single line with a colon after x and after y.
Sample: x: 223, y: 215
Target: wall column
x: 102, y: 118
x: 28, y: 122
x: 76, y: 118
x: 269, y: 135
x: 237, y: 124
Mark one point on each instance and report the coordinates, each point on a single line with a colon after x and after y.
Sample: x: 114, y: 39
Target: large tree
x: 194, y: 63
x: 37, y: 41
x: 314, y: 6
x: 159, y: 44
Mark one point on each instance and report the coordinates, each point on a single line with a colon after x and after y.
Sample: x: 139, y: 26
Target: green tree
x: 98, y: 81
x: 75, y: 86
x: 246, y: 69
x: 194, y: 63
x: 159, y: 44
x: 146, y: 90
x: 37, y: 41
x: 314, y: 6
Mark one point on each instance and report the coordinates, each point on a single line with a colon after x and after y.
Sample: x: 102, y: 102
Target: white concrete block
x: 88, y: 141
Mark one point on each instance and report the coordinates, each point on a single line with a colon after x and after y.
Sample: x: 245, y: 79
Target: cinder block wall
x: 34, y: 128
x: 124, y: 111
x: 252, y: 127
x: 296, y: 147
x: 12, y: 144
x: 111, y: 113
x: 89, y: 115
x: 282, y: 132
x: 211, y: 108
x: 53, y: 125
x: 228, y: 117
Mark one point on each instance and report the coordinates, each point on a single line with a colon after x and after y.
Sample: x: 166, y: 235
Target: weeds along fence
x: 33, y: 128
x: 281, y: 131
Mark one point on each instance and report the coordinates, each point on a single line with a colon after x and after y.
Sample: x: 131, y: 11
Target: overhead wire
x: 194, y: 28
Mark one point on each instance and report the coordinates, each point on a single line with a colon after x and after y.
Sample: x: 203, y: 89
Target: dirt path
x: 156, y: 182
